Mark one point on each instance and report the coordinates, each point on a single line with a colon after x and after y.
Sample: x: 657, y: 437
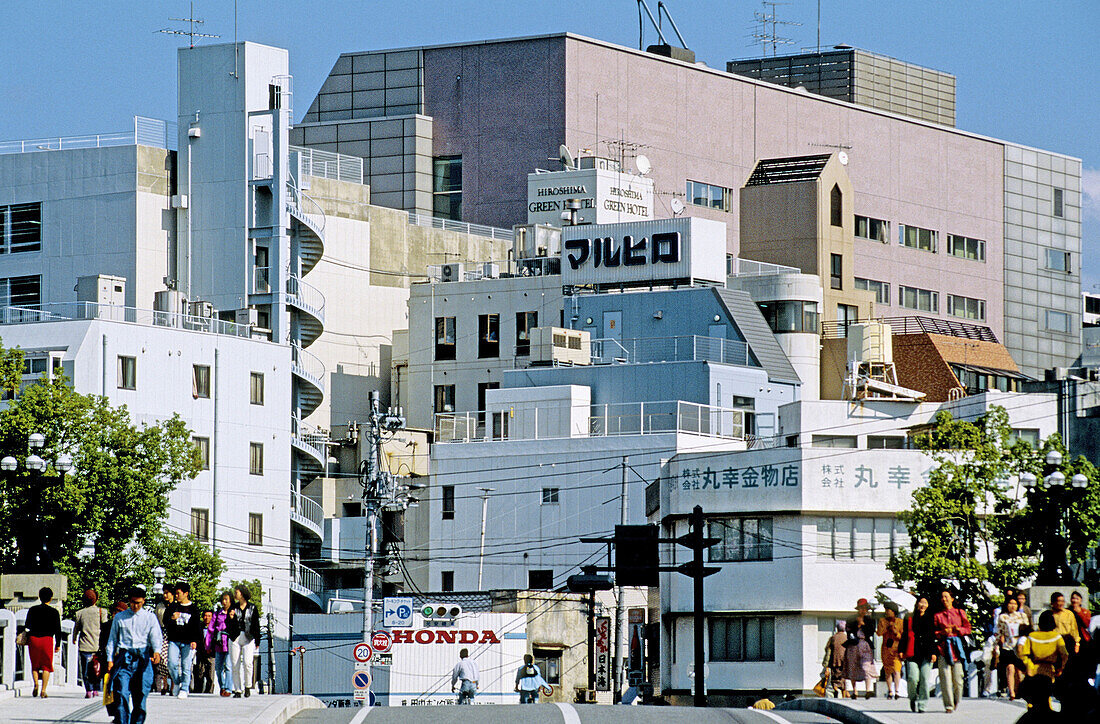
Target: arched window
x: 837, y: 206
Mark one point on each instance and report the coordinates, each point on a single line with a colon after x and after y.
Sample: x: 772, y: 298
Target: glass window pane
x: 752, y: 639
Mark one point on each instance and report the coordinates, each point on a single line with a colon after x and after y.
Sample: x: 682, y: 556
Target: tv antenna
x: 620, y: 148
x: 768, y: 33
x: 191, y: 21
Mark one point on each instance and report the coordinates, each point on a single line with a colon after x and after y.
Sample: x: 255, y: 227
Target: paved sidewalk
x: 885, y: 711
x: 72, y: 707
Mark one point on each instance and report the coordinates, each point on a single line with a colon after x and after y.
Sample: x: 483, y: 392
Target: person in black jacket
x: 243, y: 628
x: 183, y: 627
x: 44, y: 637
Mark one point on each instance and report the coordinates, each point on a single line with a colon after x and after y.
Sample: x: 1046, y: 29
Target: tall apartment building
x: 443, y: 130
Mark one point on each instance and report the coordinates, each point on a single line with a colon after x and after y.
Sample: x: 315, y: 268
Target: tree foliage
x: 255, y: 589
x: 972, y: 526
x: 116, y: 495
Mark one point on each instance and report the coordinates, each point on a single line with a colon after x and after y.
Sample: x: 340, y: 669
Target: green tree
x: 116, y: 495
x: 255, y: 589
x: 972, y: 525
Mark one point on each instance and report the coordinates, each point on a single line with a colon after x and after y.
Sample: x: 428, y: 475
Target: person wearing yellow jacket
x: 1044, y: 656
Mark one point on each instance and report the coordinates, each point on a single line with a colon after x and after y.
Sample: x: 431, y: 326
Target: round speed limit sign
x: 362, y: 652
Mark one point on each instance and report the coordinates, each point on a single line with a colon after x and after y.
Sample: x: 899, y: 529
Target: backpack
x: 529, y: 671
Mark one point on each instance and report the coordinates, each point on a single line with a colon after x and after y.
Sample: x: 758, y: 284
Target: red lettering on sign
x: 488, y: 637
x: 444, y: 637
x: 424, y: 637
x: 402, y: 636
x: 467, y: 637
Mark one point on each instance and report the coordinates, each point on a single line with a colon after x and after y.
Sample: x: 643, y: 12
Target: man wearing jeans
x: 183, y: 627
x: 465, y: 671
x: 133, y: 648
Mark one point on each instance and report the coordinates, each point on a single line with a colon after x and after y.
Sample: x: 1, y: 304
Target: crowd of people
x: 1025, y: 657
x: 173, y: 647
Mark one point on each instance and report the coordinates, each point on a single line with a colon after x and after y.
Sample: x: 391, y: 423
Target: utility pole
x: 617, y: 671
x: 379, y: 491
x: 270, y: 648
x: 481, y: 553
x: 697, y: 571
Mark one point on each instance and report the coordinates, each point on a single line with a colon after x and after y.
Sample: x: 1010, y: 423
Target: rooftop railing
x: 146, y: 132
x: 916, y: 324
x: 539, y: 266
x: 550, y: 422
x: 736, y: 267
x: 670, y: 349
x: 68, y: 311
x: 326, y: 164
x: 461, y: 227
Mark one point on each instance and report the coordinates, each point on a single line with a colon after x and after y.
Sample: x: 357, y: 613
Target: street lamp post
x: 1052, y: 498
x: 32, y: 539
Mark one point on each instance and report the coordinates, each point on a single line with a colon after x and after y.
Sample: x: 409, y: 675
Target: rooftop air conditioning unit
x: 248, y: 317
x: 557, y: 345
x: 490, y: 270
x: 451, y: 272
x: 201, y: 309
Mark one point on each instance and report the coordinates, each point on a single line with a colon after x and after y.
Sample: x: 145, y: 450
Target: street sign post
x: 397, y: 613
x: 603, y: 653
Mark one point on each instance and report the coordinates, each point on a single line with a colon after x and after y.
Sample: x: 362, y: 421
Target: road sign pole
x: 697, y: 567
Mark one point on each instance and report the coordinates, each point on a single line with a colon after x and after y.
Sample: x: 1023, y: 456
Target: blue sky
x: 1026, y: 70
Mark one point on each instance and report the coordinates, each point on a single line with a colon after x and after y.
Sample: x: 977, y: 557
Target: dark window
x: 885, y: 442
x: 444, y: 398
x: 1058, y: 260
x: 836, y: 271
x: 482, y: 387
x: 444, y: 338
x: 447, y: 187
x: 845, y: 441
x: 741, y: 539
x: 550, y: 496
x: 20, y: 228
x: 873, y: 229
x: 923, y: 300
x: 1059, y: 202
x: 448, y: 502
x: 742, y: 638
x: 200, y: 524
x: 127, y: 373
x: 549, y: 663
x: 540, y: 580
x: 836, y: 206
x: 791, y: 316
x: 21, y: 291
x: 256, y: 388
x: 255, y: 529
x: 915, y: 237
x: 256, y: 458
x: 965, y: 248
x: 525, y: 322
x: 447, y: 581
x: 200, y: 381
x: 353, y: 510
x: 488, y: 335
x: 202, y: 446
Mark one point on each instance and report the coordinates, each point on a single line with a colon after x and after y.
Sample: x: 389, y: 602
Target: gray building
x: 940, y: 214
x: 861, y: 77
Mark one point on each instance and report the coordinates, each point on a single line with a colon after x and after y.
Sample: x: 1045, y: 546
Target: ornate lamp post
x: 32, y: 538
x: 1053, y: 500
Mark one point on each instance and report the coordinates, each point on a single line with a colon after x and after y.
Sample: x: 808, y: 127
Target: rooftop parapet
x: 146, y: 132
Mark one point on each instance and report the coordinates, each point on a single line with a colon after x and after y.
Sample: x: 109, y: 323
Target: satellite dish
x: 843, y: 158
x: 677, y: 207
x: 642, y: 164
x: 566, y: 158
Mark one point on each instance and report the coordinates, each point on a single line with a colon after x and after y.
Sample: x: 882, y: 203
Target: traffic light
x: 440, y: 613
x: 636, y: 556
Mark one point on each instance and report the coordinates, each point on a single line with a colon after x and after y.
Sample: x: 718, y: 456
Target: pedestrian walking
x: 1008, y: 633
x: 202, y: 681
x: 217, y: 633
x: 1021, y: 598
x: 833, y: 663
x: 889, y: 631
x: 918, y: 649
x: 1083, y: 616
x: 529, y: 680
x: 465, y: 676
x: 110, y: 704
x: 1044, y: 656
x: 183, y: 626
x: 859, y: 654
x: 1065, y: 623
x: 133, y: 649
x: 951, y: 624
x: 243, y: 629
x: 87, y: 629
x: 162, y: 679
x: 43, y: 639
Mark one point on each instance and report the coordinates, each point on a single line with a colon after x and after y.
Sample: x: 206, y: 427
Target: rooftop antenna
x: 770, y: 35
x: 662, y: 9
x: 566, y: 158
x: 192, y: 21
x: 656, y: 25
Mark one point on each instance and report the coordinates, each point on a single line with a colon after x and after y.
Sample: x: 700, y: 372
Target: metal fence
x: 67, y: 311
x: 670, y: 349
x: 916, y: 324
x: 146, y: 132
x: 461, y: 227
x: 326, y: 164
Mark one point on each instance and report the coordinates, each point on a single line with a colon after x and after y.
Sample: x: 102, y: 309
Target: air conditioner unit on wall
x: 451, y: 272
x: 490, y: 270
x: 557, y: 345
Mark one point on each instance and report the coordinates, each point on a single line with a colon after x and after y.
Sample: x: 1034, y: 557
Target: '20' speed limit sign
x: 362, y: 652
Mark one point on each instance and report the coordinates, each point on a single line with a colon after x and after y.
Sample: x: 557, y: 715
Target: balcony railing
x: 307, y: 364
x: 461, y: 227
x: 306, y: 295
x: 146, y: 132
x: 305, y: 581
x: 68, y: 311
x: 671, y: 349
x: 308, y: 512
x: 556, y: 422
x: 314, y: 439
x: 326, y: 164
x: 736, y: 267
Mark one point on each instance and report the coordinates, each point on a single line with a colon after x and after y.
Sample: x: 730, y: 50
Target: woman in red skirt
x: 44, y: 635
